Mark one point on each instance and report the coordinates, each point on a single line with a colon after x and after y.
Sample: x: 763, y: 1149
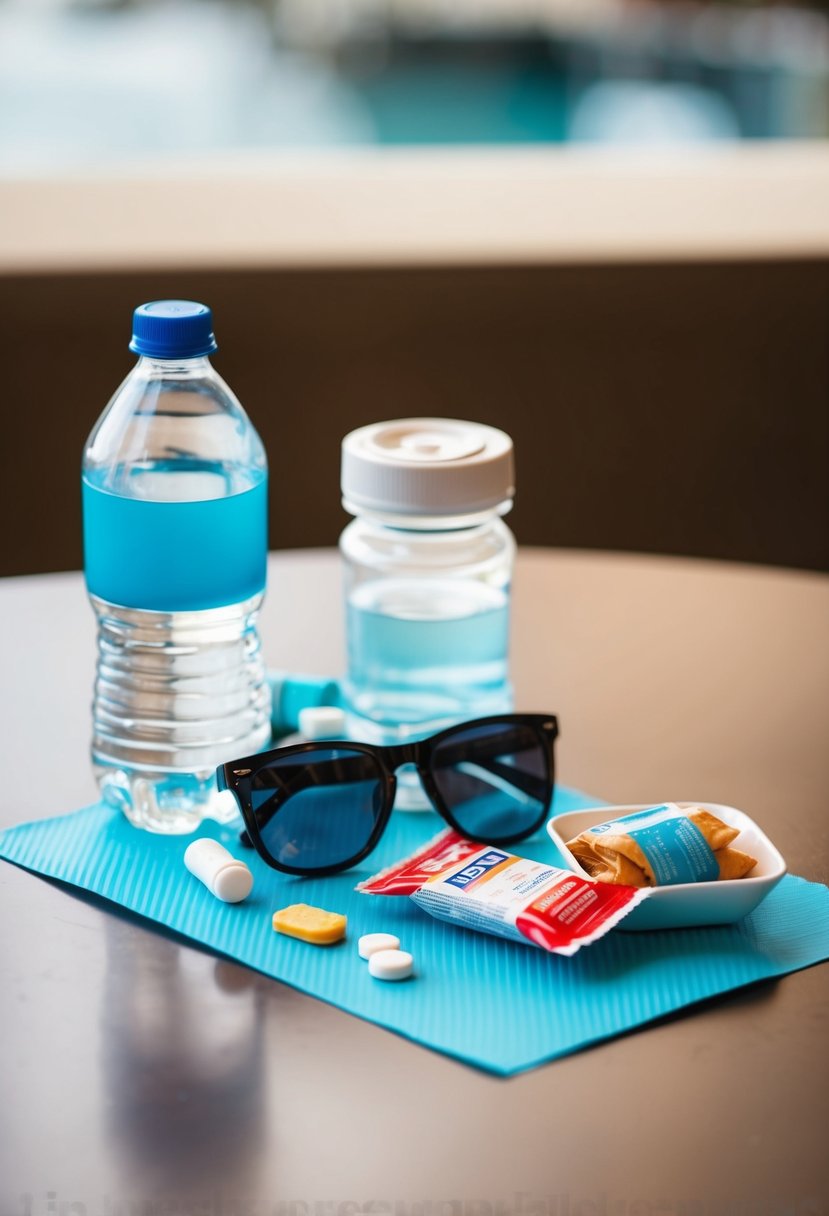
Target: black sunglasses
x: 320, y: 807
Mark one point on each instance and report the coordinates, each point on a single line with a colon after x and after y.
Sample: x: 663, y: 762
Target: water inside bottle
x: 153, y: 540
x: 425, y: 653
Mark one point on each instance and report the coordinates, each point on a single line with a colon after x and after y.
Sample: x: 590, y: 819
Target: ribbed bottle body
x: 176, y: 693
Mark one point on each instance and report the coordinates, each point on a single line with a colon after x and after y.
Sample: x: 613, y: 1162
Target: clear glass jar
x: 427, y: 593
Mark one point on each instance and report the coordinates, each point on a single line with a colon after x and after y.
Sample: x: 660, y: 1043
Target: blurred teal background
x: 85, y: 83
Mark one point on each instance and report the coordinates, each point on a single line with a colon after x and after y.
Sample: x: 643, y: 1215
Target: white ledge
x: 454, y: 206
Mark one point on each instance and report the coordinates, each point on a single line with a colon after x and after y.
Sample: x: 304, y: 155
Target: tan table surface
x: 142, y: 1077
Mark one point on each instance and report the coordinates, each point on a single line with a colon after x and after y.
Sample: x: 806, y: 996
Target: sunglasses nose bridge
x: 400, y: 754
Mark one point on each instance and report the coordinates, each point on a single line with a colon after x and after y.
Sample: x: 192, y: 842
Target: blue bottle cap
x: 173, y: 329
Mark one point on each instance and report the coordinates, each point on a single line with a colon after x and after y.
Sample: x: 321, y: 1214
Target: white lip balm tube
x: 224, y: 875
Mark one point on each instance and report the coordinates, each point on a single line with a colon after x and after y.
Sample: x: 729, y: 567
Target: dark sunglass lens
x: 317, y: 809
x: 494, y: 779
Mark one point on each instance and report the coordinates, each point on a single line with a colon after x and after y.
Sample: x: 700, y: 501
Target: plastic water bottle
x: 428, y: 565
x: 175, y: 487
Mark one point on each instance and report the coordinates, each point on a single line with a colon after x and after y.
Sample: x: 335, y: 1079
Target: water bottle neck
x: 152, y: 368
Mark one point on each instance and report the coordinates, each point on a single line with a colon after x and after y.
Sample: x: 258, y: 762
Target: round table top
x: 144, y: 1076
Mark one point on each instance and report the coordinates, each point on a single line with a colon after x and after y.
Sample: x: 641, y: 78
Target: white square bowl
x: 689, y: 903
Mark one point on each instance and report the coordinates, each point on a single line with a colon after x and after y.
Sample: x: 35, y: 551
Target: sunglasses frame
x: 237, y: 775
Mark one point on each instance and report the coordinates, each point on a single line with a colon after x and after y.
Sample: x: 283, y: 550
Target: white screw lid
x: 427, y: 466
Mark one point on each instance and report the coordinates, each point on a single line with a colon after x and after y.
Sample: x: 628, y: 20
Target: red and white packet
x: 483, y: 887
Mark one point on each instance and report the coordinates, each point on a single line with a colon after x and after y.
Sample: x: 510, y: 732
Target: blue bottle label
x: 175, y: 556
x: 675, y: 848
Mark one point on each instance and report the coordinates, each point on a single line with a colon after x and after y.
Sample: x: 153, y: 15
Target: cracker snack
x: 661, y: 846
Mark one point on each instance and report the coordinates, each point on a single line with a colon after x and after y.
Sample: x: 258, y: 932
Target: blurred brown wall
x: 678, y: 409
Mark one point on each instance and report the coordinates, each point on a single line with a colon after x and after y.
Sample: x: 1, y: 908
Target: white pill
x: 370, y: 943
x: 322, y: 722
x: 224, y: 875
x: 391, y: 965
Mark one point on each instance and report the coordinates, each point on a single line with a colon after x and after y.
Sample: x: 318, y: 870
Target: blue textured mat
x: 500, y: 1006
